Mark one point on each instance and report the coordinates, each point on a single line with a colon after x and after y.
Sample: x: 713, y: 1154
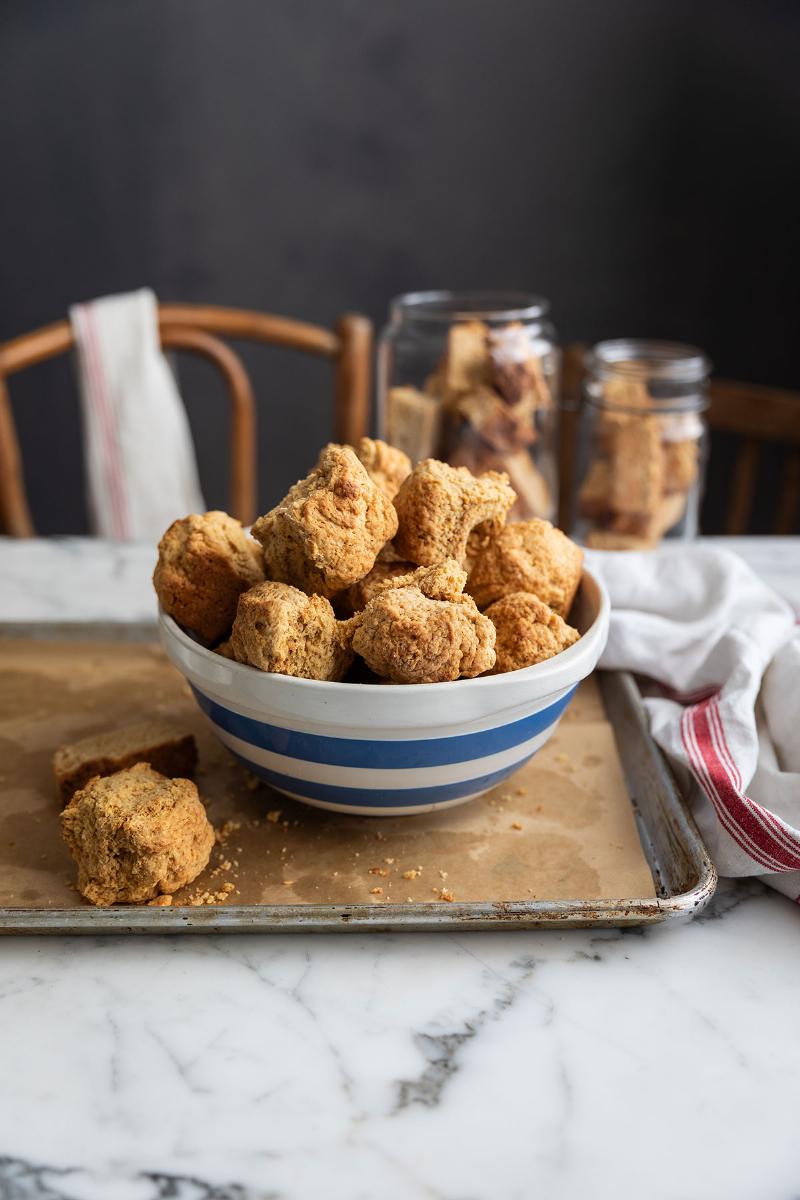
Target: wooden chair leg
x: 353, y: 379
x: 790, y: 497
x: 744, y: 482
x: 15, y: 515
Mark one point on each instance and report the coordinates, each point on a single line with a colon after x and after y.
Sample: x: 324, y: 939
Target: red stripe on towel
x: 758, y: 832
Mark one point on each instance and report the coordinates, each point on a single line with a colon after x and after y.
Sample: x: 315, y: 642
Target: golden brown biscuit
x: 326, y: 533
x: 405, y: 637
x: 439, y: 506
x: 168, y: 749
x: 136, y: 835
x: 681, y: 461
x: 386, y: 465
x: 204, y: 564
x: 594, y: 492
x: 651, y: 526
x: 442, y: 581
x: 413, y: 422
x: 279, y: 628
x: 531, y: 556
x: 359, y: 595
x: 608, y: 539
x: 528, y: 631
x: 637, y: 466
x: 468, y: 364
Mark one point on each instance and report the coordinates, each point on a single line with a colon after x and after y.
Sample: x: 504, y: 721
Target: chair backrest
x: 755, y: 414
x: 198, y: 328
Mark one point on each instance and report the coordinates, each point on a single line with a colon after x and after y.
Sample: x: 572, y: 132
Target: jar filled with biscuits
x: 471, y: 378
x: 642, y: 444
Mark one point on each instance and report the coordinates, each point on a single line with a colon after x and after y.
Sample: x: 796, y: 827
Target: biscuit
x: 136, y: 835
x: 528, y: 632
x: 204, y: 564
x: 439, y: 506
x: 386, y: 465
x: 278, y: 628
x: 167, y: 749
x: 637, y: 466
x: 326, y: 533
x: 530, y: 556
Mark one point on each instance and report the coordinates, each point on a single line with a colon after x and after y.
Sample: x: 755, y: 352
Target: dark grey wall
x: 634, y: 160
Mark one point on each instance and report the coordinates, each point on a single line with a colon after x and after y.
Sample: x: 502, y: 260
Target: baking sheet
x: 562, y: 829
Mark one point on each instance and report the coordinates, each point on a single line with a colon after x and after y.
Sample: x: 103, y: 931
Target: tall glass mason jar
x: 642, y: 444
x: 471, y: 378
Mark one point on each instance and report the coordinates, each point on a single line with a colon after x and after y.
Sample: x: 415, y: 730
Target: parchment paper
x: 562, y: 828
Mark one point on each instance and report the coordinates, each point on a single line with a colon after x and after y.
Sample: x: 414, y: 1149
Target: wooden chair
x: 754, y: 414
x: 198, y: 329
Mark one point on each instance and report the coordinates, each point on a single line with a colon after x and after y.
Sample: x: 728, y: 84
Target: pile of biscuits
x: 483, y: 408
x: 371, y: 571
x: 643, y: 467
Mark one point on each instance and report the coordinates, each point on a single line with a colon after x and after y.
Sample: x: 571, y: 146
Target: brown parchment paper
x: 561, y: 828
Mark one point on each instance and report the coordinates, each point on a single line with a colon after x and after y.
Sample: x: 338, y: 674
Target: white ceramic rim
x: 540, y: 674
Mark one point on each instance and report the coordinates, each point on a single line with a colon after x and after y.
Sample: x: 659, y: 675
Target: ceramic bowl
x: 389, y: 749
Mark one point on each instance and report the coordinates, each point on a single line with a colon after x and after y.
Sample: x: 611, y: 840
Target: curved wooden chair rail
x: 197, y: 328
x: 753, y: 413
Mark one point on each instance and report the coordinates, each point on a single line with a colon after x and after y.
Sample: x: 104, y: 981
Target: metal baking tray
x: 683, y: 874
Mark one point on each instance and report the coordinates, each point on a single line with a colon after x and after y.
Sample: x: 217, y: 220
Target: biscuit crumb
x: 376, y: 891
x: 160, y: 902
x: 225, y: 830
x: 412, y: 874
x: 378, y: 871
x: 443, y: 874
x: 389, y: 860
x: 522, y: 791
x: 288, y: 882
x: 516, y: 825
x: 443, y: 894
x: 274, y: 815
x: 562, y: 758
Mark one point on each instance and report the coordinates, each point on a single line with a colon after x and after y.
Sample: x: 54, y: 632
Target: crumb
x: 288, y: 882
x: 522, y: 791
x: 389, y: 861
x: 443, y: 894
x: 562, y: 758
x: 516, y: 825
x: 252, y: 783
x: 376, y: 891
x: 412, y: 874
x: 443, y: 874
x: 378, y: 871
x: 160, y: 902
x: 274, y: 815
x: 506, y: 797
x: 222, y: 834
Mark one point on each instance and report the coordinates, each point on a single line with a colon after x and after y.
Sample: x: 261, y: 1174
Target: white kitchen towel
x: 724, y: 650
x: 141, y: 470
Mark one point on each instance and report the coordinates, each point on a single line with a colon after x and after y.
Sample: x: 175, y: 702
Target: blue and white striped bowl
x: 390, y: 749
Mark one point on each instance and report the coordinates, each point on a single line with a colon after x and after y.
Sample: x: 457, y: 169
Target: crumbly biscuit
x: 528, y: 632
x: 681, y: 464
x: 278, y: 628
x: 204, y: 564
x: 468, y: 362
x: 530, y: 556
x: 326, y: 533
x: 651, y: 526
x: 358, y: 596
x: 405, y: 637
x: 637, y: 466
x: 439, y: 506
x: 442, y: 581
x: 166, y: 748
x: 386, y: 465
x: 136, y: 835
x: 413, y: 422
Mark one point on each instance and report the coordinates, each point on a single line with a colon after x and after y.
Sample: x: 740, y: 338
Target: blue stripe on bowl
x: 376, y: 798
x: 362, y: 752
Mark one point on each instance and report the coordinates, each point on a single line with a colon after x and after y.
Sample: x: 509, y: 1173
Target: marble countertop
x: 445, y: 1066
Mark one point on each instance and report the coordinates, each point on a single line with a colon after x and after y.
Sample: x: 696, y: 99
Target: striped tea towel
x: 725, y: 652
x: 141, y: 471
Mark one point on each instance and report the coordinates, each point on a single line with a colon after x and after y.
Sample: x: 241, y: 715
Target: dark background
x: 636, y: 161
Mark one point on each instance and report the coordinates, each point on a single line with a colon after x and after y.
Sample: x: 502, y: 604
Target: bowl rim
x: 538, y: 672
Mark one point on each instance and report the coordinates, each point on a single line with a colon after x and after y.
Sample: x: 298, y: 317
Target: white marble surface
x: 584, y: 1064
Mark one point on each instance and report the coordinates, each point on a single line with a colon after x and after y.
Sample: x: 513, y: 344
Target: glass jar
x: 642, y: 444
x: 471, y: 378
